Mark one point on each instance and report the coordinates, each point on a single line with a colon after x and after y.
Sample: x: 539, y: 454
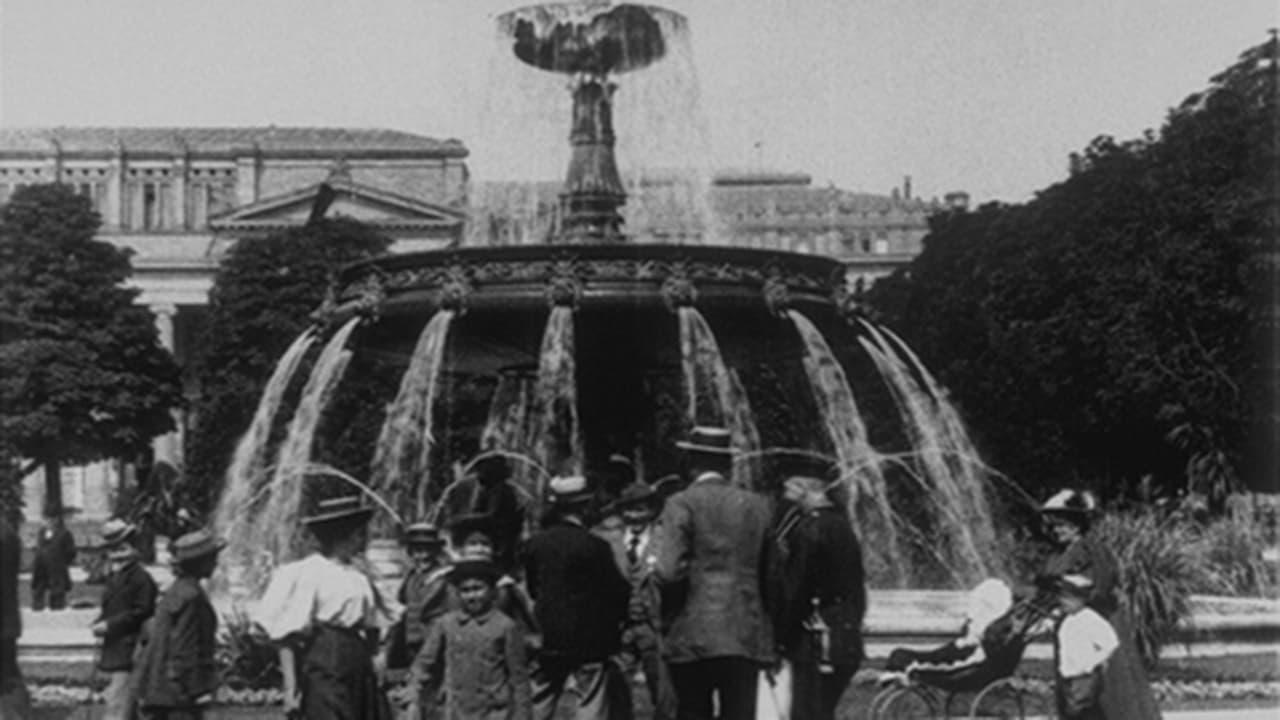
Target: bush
x: 1162, y: 563
x: 249, y: 660
x: 1233, y: 551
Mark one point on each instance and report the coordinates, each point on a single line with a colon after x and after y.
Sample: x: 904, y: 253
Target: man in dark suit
x: 14, y: 701
x: 580, y: 601
x: 711, y: 537
x: 51, y: 566
x: 822, y: 597
x: 128, y: 601
x: 638, y: 506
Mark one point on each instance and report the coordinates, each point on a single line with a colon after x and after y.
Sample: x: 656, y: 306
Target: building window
x: 882, y: 244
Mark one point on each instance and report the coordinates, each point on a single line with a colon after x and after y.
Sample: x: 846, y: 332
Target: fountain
x: 562, y: 353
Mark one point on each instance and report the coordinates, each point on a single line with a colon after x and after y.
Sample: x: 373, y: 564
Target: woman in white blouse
x: 323, y: 612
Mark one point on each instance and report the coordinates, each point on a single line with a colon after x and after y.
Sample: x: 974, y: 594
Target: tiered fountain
x: 560, y: 354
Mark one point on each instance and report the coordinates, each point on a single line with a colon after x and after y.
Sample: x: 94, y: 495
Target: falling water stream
x: 402, y: 456
x: 709, y: 383
x: 860, y: 464
x: 556, y: 391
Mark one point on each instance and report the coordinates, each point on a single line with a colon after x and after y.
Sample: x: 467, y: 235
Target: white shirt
x: 316, y: 590
x: 1085, y: 641
x: 642, y: 543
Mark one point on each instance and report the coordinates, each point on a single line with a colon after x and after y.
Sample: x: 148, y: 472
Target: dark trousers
x: 815, y: 694
x: 42, y: 589
x: 733, y: 680
x: 14, y: 700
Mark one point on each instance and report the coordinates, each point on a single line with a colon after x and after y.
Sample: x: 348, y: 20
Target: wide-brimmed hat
x: 668, y: 485
x: 422, y: 534
x: 636, y: 494
x: 569, y: 490
x: 346, y: 507
x: 1073, y: 503
x: 475, y: 563
x: 708, y: 440
x: 196, y: 545
x: 116, y: 531
x: 1076, y: 585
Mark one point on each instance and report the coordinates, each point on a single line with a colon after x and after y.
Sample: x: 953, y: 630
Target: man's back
x: 580, y: 597
x: 712, y: 536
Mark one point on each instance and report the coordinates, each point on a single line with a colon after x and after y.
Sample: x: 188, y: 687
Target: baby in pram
x: 996, y: 633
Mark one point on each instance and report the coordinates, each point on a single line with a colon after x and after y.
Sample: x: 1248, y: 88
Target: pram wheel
x: 903, y: 703
x: 1013, y: 697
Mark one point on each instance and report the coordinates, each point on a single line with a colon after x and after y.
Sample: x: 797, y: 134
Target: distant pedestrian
x: 822, y: 597
x: 1082, y: 642
x: 178, y: 673
x: 324, y: 615
x: 128, y: 601
x: 51, y: 566
x: 637, y: 508
x: 580, y: 600
x: 14, y: 700
x: 475, y: 652
x: 710, y: 543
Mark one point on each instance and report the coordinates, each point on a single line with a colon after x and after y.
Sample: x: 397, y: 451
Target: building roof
x: 268, y: 140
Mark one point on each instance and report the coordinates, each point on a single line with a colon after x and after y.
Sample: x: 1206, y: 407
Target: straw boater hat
x: 569, y: 490
x: 1073, y: 504
x: 476, y: 563
x: 195, y: 545
x: 117, y: 536
x: 707, y: 440
x: 1077, y: 585
x: 422, y: 534
x: 347, y: 507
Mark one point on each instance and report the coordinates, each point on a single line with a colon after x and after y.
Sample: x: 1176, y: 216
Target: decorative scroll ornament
x: 455, y: 288
x: 365, y: 299
x: 678, y: 289
x: 564, y: 281
x: 777, y: 297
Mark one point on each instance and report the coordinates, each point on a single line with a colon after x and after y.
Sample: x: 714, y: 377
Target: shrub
x: 248, y: 659
x: 1161, y: 564
x: 1233, y: 552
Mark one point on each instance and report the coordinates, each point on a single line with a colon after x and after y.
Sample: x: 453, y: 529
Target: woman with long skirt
x: 323, y: 612
x: 1126, y: 692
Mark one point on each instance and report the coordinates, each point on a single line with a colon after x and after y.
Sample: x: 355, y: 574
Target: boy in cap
x: 1082, y: 642
x: 424, y: 589
x: 475, y: 652
x: 128, y: 601
x: 178, y: 673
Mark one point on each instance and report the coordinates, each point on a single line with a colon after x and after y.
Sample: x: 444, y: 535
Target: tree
x: 1108, y: 329
x: 82, y: 374
x: 261, y: 300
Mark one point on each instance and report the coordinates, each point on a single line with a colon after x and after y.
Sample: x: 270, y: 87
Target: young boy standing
x: 478, y: 651
x: 178, y: 671
x: 1082, y: 642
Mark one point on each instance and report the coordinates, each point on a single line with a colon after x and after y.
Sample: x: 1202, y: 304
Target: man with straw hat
x: 178, y: 673
x: 821, y: 598
x: 580, y: 601
x: 128, y: 601
x: 711, y: 538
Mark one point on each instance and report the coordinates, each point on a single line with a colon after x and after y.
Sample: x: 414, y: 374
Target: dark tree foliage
x: 82, y: 374
x: 261, y: 300
x: 1112, y: 328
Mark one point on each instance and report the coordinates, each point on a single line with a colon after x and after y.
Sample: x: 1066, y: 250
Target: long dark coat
x: 580, y: 597
x: 1126, y: 693
x: 128, y: 601
x: 712, y: 537
x: 824, y: 563
x: 51, y: 566
x: 178, y: 663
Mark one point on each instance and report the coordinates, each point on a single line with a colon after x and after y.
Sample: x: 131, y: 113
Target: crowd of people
x: 714, y: 594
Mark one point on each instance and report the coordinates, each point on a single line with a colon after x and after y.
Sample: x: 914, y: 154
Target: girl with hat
x: 1069, y: 515
x: 178, y: 673
x: 324, y: 614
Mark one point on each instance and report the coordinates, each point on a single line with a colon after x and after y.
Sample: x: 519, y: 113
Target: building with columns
x: 180, y: 197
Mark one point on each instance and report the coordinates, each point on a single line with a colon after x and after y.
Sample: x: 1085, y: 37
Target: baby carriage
x: 981, y: 665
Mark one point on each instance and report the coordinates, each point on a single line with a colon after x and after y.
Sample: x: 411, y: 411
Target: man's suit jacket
x: 128, y: 601
x: 580, y: 597
x: 645, y: 599
x: 178, y: 664
x: 713, y: 537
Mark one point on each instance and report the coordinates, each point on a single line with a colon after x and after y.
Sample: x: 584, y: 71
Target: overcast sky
x: 983, y: 95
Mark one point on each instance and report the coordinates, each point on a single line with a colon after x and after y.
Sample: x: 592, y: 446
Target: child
x: 478, y: 651
x: 424, y: 593
x: 1082, y: 642
x: 178, y: 673
x: 990, y: 600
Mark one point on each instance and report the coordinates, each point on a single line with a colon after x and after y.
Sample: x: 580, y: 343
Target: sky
x: 985, y: 96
